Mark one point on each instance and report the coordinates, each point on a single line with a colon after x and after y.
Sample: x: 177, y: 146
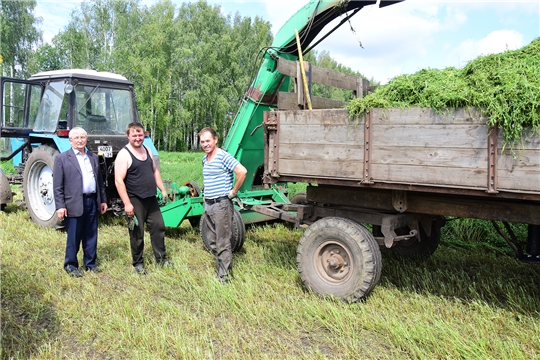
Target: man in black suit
x: 79, y: 194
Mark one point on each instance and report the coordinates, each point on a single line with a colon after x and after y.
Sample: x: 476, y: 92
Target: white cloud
x: 398, y: 39
x: 406, y: 37
x: 496, y: 42
x: 55, y: 14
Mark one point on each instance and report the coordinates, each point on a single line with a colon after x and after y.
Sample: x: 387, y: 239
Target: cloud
x: 55, y: 14
x: 406, y: 37
x: 398, y: 39
x: 496, y: 42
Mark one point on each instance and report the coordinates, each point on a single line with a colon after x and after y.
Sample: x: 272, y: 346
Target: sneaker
x: 139, y: 269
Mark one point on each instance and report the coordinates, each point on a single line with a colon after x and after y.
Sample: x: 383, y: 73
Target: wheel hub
x: 45, y: 188
x: 336, y: 261
x: 333, y: 262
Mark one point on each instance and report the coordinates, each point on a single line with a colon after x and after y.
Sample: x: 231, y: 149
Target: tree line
x: 190, y: 63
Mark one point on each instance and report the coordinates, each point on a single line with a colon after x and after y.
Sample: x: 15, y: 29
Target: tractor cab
x: 49, y: 104
x: 37, y: 115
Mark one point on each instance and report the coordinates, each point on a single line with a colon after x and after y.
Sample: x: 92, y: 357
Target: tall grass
x: 467, y: 301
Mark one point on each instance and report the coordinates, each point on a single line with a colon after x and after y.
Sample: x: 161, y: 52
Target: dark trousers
x: 82, y: 229
x: 219, y: 223
x: 147, y: 211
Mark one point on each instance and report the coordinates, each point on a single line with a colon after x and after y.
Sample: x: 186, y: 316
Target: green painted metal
x: 245, y: 140
x: 174, y: 213
x: 184, y: 206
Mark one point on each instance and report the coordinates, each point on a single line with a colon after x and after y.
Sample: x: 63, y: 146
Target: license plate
x: 106, y: 151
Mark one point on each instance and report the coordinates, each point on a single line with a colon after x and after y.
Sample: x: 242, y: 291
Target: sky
x: 382, y: 43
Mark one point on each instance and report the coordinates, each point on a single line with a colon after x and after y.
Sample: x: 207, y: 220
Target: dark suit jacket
x: 67, y: 183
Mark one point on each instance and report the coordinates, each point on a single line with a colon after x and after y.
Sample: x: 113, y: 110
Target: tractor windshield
x: 103, y: 111
x: 98, y: 109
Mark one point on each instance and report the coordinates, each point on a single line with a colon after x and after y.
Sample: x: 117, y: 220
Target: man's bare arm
x: 121, y: 166
x: 240, y: 172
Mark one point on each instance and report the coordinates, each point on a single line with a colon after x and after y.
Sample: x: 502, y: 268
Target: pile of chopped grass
x: 504, y: 86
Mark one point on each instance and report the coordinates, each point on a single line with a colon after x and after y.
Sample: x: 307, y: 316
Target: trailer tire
x: 238, y: 232
x: 422, y: 249
x: 38, y: 187
x: 414, y: 248
x: 299, y: 198
x: 339, y: 257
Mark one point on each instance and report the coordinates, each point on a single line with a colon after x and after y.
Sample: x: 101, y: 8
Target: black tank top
x: 140, y: 181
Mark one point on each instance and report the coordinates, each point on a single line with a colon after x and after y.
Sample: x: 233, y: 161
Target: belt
x: 89, y: 194
x: 216, y: 200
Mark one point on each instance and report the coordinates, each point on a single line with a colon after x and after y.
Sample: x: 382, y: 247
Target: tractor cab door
x: 19, y: 104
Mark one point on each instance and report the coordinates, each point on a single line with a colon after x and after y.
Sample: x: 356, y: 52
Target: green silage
x: 504, y: 86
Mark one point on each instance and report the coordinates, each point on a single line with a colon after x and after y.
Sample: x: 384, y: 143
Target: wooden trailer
x: 402, y: 170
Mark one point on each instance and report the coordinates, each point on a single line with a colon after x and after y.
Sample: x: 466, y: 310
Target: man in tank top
x: 136, y: 177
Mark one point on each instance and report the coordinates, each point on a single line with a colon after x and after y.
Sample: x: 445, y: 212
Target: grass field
x: 470, y: 300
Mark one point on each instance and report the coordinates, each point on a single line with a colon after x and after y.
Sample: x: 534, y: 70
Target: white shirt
x: 89, y: 180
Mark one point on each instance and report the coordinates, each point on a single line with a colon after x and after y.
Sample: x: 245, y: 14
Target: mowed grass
x: 470, y: 300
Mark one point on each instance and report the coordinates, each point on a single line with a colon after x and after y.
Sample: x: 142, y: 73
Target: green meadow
x: 470, y: 300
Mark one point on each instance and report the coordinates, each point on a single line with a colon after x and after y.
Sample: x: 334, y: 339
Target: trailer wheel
x: 339, y: 257
x: 414, y: 248
x: 424, y: 248
x: 238, y: 232
x: 299, y: 198
x: 38, y: 186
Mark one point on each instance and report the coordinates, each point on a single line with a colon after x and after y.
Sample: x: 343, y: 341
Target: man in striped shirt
x: 218, y: 169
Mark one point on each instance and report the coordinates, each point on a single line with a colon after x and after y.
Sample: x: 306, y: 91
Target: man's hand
x: 129, y: 209
x: 61, y: 213
x: 164, y: 196
x: 232, y: 194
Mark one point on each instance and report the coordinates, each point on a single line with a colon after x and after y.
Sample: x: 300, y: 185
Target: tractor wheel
x: 6, y: 196
x: 238, y: 232
x: 339, y: 257
x: 38, y: 187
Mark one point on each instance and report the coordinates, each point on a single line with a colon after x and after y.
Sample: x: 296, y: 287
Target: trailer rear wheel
x: 414, y: 248
x: 339, y: 257
x: 38, y: 186
x: 238, y: 232
x: 423, y: 248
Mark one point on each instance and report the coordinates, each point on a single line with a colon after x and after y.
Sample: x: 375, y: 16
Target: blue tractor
x: 36, y: 116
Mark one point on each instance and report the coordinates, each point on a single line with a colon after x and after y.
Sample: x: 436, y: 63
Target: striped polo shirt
x: 218, y: 174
